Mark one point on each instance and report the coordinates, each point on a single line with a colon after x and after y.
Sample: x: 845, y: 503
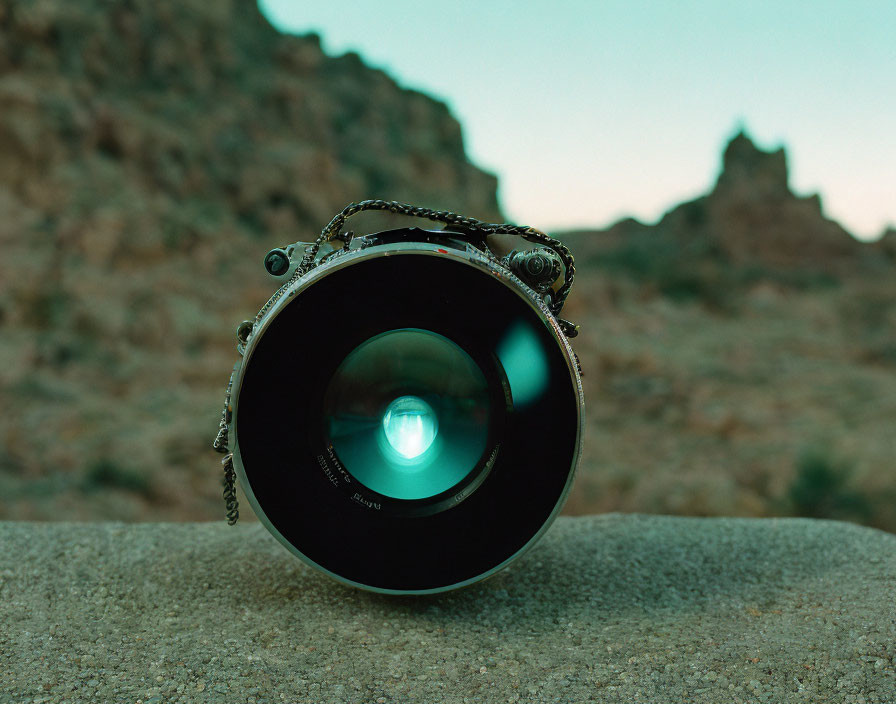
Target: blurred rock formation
x: 750, y: 218
x: 739, y: 356
x: 151, y: 153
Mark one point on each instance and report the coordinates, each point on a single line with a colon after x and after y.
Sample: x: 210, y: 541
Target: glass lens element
x: 408, y: 413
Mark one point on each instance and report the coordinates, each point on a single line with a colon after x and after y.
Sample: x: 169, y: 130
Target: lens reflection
x: 525, y: 363
x: 410, y: 426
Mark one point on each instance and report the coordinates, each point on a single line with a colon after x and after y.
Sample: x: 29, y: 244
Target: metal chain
x: 465, y: 225
x: 220, y: 445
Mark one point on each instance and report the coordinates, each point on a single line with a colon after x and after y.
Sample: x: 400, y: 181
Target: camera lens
x: 408, y: 417
x: 407, y: 413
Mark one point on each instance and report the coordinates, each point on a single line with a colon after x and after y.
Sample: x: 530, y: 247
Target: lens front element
x: 408, y: 414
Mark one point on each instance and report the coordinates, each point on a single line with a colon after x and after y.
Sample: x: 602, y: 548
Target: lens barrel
x: 408, y: 417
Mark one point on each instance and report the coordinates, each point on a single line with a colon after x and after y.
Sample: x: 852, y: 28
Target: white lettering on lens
x: 367, y: 502
x: 321, y: 460
x: 346, y: 477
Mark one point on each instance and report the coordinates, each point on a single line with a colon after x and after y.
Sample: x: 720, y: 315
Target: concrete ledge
x: 604, y: 608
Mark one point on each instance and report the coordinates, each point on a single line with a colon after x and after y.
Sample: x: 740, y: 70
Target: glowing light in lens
x: 410, y: 425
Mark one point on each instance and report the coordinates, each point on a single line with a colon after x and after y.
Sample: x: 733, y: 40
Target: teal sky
x: 590, y: 111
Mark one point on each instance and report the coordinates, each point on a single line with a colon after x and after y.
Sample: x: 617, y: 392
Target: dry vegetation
x: 151, y: 153
x: 786, y: 407
x: 740, y: 357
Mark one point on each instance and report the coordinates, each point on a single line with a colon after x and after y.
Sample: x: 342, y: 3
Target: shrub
x: 821, y: 489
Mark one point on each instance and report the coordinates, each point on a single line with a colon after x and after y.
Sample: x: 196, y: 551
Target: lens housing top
x: 522, y: 394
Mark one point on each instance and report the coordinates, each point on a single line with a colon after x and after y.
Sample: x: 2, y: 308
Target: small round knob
x: 535, y: 264
x: 276, y: 262
x: 538, y: 267
x: 244, y: 330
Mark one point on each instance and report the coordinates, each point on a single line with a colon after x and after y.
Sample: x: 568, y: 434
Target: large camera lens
x: 408, y: 414
x: 408, y: 419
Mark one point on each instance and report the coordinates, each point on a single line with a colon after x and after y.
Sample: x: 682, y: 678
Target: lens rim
x: 460, y: 252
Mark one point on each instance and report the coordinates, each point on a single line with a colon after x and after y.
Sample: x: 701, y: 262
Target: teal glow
x: 410, y: 425
x: 525, y: 363
x: 407, y: 412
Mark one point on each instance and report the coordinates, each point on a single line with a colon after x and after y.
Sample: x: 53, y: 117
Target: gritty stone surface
x: 605, y: 608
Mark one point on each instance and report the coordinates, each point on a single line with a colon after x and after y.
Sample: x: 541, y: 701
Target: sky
x: 590, y: 111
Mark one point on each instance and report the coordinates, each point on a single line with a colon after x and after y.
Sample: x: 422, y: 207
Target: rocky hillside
x: 151, y: 152
x: 740, y: 357
x: 750, y: 223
